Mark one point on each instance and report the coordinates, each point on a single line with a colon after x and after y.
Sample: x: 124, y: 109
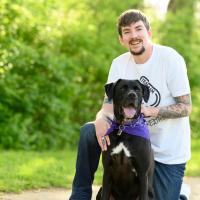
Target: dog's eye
x: 136, y: 88
x: 124, y: 87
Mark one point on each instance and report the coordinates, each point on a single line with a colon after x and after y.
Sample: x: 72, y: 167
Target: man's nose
x: 134, y: 34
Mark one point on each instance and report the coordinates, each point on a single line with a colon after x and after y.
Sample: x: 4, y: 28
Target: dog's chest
x: 121, y: 147
x: 121, y: 161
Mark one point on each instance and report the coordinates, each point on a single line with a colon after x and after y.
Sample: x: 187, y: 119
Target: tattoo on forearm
x: 182, y: 108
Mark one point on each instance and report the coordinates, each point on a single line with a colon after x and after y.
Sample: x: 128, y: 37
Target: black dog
x: 128, y: 163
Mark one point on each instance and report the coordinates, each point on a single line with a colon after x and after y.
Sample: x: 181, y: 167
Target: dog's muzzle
x: 129, y: 105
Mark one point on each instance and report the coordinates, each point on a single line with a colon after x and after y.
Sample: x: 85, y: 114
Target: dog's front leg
x: 106, y: 187
x: 143, y: 187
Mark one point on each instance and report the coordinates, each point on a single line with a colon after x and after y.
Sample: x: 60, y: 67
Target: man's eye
x: 126, y: 32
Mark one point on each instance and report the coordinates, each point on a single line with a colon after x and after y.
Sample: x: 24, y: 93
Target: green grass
x: 20, y: 170
x: 193, y: 166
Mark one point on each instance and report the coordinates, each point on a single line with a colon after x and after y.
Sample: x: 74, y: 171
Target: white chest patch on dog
x: 119, y: 148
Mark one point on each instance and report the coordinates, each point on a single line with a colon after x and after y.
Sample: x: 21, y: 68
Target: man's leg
x: 167, y: 181
x: 86, y: 165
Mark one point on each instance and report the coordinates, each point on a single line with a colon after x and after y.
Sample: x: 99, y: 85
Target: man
x: 164, y: 71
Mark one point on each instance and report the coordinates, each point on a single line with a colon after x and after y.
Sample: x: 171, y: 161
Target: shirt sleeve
x: 113, y: 73
x: 177, y: 78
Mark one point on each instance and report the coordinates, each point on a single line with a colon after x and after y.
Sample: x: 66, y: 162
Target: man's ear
x: 150, y: 33
x: 145, y: 92
x: 109, y: 89
x: 121, y: 40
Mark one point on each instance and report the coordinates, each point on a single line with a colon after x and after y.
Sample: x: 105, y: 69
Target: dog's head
x: 127, y: 97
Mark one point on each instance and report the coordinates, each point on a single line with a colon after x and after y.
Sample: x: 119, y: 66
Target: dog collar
x: 137, y: 127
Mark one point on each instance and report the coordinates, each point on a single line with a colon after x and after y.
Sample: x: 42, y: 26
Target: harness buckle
x: 121, y: 127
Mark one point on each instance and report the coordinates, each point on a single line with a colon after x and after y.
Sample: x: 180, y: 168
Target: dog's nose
x: 131, y: 94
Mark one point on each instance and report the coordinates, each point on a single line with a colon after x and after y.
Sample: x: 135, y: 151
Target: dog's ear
x: 145, y: 92
x: 109, y: 89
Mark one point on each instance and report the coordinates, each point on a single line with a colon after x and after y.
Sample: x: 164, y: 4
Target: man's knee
x: 88, y: 133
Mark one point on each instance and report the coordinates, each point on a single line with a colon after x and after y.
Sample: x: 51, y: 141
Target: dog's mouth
x: 129, y: 112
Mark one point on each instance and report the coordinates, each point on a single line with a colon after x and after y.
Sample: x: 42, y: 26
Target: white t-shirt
x: 166, y: 75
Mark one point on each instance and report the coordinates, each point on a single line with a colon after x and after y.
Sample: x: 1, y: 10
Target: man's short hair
x: 131, y: 16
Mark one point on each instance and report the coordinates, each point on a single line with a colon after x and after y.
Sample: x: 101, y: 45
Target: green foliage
x: 22, y: 170
x: 182, y: 31
x: 54, y: 60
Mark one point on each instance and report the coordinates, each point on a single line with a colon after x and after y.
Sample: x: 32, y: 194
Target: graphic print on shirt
x: 154, y: 93
x: 155, y: 99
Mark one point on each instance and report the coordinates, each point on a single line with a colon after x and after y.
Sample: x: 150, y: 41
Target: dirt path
x: 61, y: 194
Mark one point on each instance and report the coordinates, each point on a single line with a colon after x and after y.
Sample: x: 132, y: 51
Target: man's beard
x: 142, y: 50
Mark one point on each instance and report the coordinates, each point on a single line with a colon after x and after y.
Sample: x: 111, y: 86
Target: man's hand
x: 101, y: 126
x: 149, y: 111
x: 182, y: 108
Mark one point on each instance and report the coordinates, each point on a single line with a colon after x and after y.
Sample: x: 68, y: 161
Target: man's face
x: 136, y: 38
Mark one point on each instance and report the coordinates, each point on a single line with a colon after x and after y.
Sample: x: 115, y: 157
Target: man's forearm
x: 106, y: 110
x: 174, y: 111
x: 181, y: 108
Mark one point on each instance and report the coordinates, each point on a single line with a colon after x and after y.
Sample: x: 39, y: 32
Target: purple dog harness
x: 137, y: 128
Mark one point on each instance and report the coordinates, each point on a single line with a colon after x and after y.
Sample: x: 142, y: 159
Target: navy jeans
x: 87, y: 162
x: 167, y: 178
x: 167, y: 181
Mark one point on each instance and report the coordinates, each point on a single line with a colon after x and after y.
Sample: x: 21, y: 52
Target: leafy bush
x: 54, y: 61
x: 182, y: 31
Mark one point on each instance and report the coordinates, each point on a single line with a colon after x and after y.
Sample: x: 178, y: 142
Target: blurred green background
x: 54, y: 60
